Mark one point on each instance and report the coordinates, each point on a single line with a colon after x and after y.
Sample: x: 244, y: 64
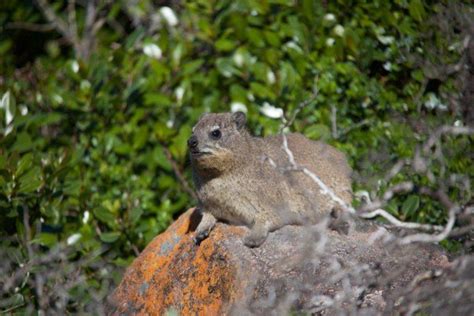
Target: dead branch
x: 179, y: 174
x: 374, y: 209
x: 83, y: 44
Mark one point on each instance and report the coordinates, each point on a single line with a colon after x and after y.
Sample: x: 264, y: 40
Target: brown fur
x: 236, y: 183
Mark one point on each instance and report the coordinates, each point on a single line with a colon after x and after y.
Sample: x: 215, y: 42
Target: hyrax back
x: 237, y: 183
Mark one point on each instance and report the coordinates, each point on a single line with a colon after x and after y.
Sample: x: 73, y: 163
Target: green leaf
x: 417, y: 10
x: 135, y: 214
x: 161, y: 159
x: 225, y: 45
x: 190, y: 67
x: 109, y: 237
x: 3, y: 161
x: 23, y: 164
x: 410, y: 205
x: 140, y: 137
x: 225, y: 66
x: 23, y: 142
x: 105, y: 216
x: 262, y: 91
x: 318, y: 131
x: 11, y: 302
x: 30, y: 181
x: 46, y: 239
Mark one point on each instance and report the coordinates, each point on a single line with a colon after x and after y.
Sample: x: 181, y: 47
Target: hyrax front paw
x: 257, y: 235
x: 204, y: 228
x: 200, y: 236
x: 253, y: 241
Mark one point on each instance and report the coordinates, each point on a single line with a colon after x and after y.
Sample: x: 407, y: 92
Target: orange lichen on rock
x: 173, y: 273
x: 308, y: 269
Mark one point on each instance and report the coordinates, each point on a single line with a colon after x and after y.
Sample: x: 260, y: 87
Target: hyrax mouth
x: 197, y: 154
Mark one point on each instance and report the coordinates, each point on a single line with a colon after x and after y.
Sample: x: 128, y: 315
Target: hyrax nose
x: 192, y: 142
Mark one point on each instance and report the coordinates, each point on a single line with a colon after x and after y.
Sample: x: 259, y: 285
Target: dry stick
x: 433, y: 238
x: 453, y: 210
x: 378, y: 212
x: 71, y: 17
x: 298, y: 109
x: 323, y: 188
x: 178, y: 173
x: 33, y: 27
x: 58, y: 23
x: 446, y: 129
x: 393, y: 220
x: 335, y: 134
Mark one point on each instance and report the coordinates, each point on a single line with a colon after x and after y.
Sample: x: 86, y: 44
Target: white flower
x: 292, y: 44
x: 58, y: 99
x: 85, y: 85
x: 271, y: 111
x: 179, y: 92
x: 86, y: 216
x: 169, y: 16
x: 458, y: 123
x: 75, y: 66
x: 152, y: 50
x: 169, y: 123
x: 330, y: 17
x: 23, y: 110
x: 386, y: 40
x: 434, y: 103
x: 238, y: 107
x: 238, y: 59
x: 387, y: 66
x: 339, y: 30
x: 330, y: 41
x: 250, y: 97
x: 271, y: 77
x: 71, y: 240
x: 6, y: 105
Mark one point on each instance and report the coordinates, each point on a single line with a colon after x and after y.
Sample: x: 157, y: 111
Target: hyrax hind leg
x: 258, y: 234
x: 205, y: 226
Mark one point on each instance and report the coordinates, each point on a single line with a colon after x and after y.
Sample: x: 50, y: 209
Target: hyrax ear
x: 240, y: 119
x: 202, y: 116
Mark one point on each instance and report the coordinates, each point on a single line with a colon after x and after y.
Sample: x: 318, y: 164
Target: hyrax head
x: 216, y: 140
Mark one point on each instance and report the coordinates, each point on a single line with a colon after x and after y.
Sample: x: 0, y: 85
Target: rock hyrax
x: 237, y: 184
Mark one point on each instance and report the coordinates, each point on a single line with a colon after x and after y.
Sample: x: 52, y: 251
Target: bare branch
x: 393, y: 220
x: 33, y: 27
x: 179, y: 174
x: 446, y: 129
x: 433, y: 238
x: 323, y: 187
x: 335, y: 134
x: 298, y: 109
x: 54, y: 19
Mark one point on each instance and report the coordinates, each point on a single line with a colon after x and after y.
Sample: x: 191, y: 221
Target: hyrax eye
x: 216, y: 134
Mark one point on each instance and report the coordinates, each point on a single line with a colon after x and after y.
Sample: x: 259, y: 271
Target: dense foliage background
x: 99, y: 97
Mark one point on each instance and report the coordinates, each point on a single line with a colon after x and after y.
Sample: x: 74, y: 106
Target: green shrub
x: 93, y: 160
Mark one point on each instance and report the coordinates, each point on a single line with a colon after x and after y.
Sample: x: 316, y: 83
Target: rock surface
x: 311, y: 269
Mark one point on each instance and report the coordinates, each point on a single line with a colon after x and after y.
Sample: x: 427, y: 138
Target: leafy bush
x: 93, y: 160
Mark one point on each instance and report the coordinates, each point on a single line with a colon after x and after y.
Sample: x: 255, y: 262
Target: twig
x: 178, y: 173
x: 54, y: 19
x: 373, y: 209
x: 323, y: 187
x: 298, y: 109
x: 393, y: 220
x: 33, y: 27
x: 446, y: 129
x: 335, y: 135
x: 433, y: 238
